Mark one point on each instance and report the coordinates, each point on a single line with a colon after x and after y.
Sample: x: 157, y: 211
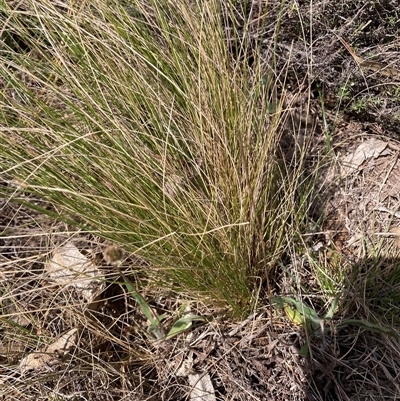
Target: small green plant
x: 155, y: 328
x: 395, y: 92
x: 303, y: 315
x: 393, y: 20
x: 364, y: 103
x: 344, y: 92
x: 359, y: 106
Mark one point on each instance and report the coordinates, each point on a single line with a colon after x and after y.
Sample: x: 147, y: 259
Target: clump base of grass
x: 139, y: 124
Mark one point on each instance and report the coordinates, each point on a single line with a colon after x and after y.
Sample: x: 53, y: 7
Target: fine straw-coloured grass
x: 167, y: 128
x: 138, y: 123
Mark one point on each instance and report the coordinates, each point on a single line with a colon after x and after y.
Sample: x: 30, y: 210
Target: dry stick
x: 371, y: 65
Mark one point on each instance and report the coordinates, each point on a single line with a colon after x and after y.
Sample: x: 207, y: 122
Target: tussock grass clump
x: 139, y: 124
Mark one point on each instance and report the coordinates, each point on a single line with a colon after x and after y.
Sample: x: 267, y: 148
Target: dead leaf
x: 202, y: 388
x: 69, y: 267
x: 50, y: 356
x: 63, y: 344
x: 35, y: 361
x: 370, y: 148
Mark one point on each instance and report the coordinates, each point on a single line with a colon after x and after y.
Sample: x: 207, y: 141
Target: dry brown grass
x: 262, y: 357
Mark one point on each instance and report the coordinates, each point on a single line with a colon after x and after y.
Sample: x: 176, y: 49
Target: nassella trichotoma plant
x: 137, y: 123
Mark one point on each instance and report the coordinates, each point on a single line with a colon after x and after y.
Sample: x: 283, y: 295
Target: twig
x: 371, y: 65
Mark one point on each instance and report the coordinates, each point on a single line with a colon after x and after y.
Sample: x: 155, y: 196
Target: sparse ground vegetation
x: 199, y: 200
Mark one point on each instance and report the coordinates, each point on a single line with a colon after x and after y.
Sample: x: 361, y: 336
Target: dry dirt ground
x: 342, y: 73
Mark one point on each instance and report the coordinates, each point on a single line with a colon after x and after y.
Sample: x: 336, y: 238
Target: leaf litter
x: 65, y: 333
x: 260, y: 359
